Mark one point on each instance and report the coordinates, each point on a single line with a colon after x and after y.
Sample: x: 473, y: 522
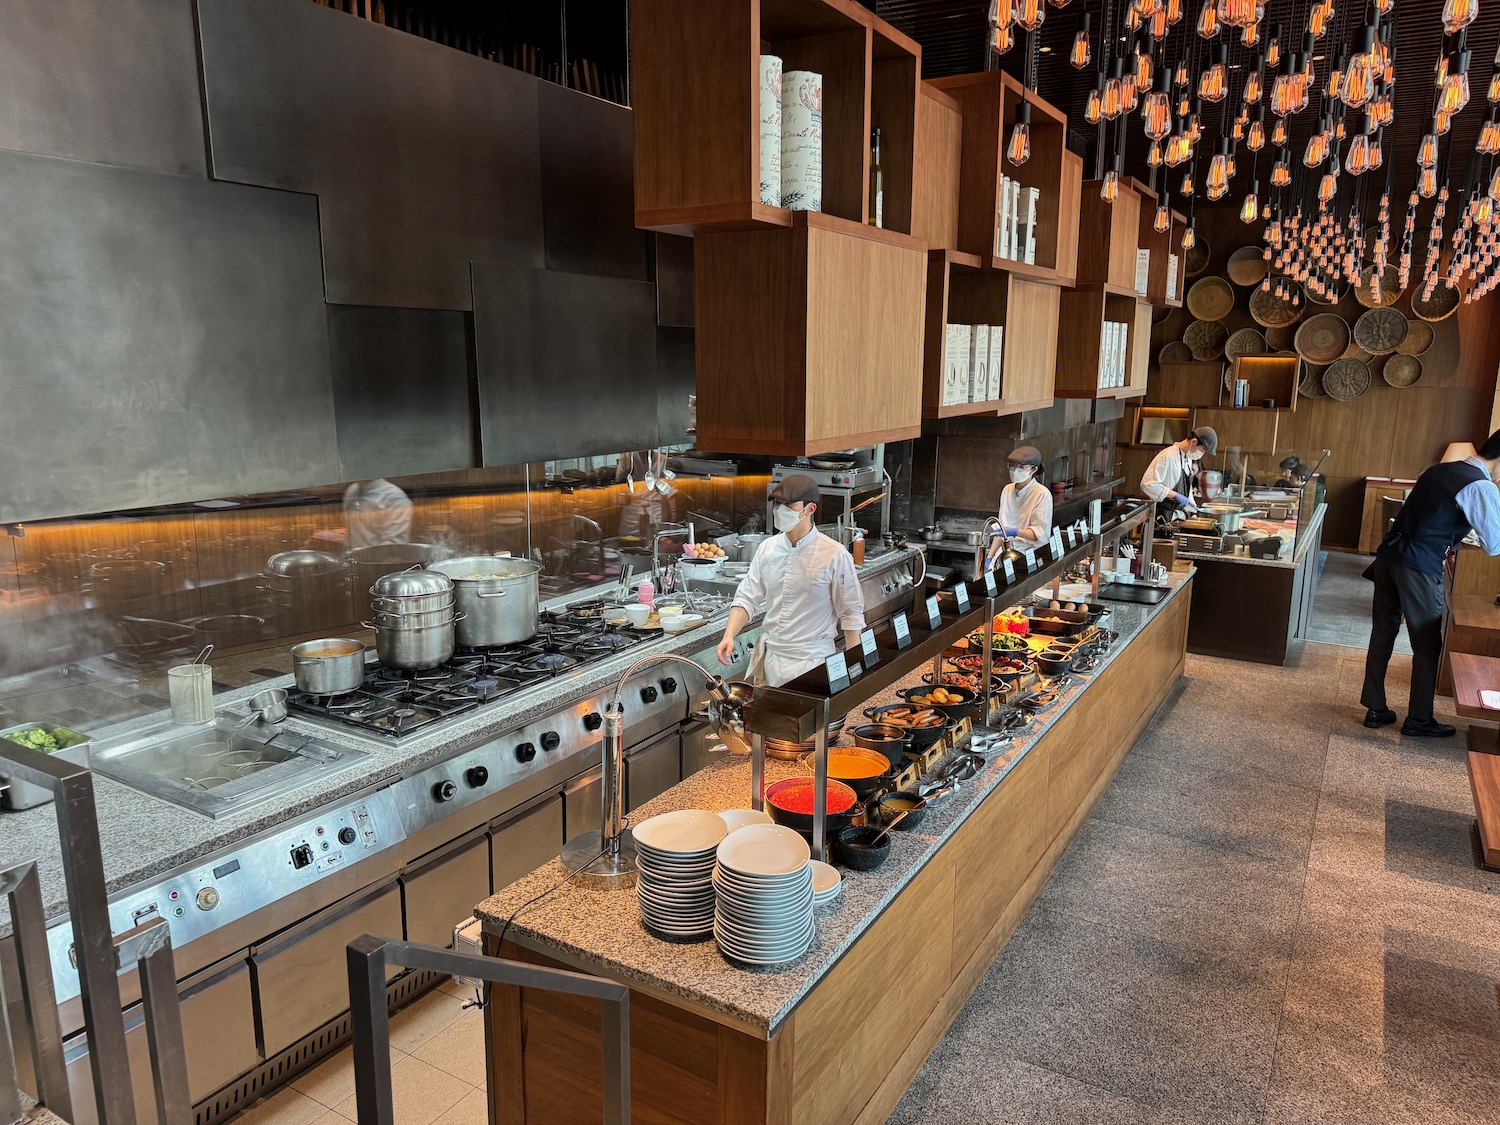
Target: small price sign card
x: 961, y: 597
x: 1010, y: 573
x: 989, y: 583
x: 934, y: 614
x: 871, y: 655
x: 902, y: 630
x: 838, y: 672
x: 1031, y: 563
x: 1056, y: 543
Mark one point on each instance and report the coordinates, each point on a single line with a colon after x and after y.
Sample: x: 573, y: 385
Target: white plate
x: 760, y: 882
x: 677, y: 859
x: 684, y: 830
x: 739, y: 818
x: 826, y: 877
x: 739, y: 908
x: 661, y: 874
x: 764, y: 849
x: 773, y: 954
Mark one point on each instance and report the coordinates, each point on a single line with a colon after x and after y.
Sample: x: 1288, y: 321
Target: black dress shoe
x: 1427, y: 728
x: 1376, y: 719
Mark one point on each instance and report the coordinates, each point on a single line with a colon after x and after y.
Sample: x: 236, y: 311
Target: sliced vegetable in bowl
x: 45, y: 738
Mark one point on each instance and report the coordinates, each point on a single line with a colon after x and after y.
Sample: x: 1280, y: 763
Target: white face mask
x: 1020, y: 476
x: 784, y: 518
x: 1196, y: 455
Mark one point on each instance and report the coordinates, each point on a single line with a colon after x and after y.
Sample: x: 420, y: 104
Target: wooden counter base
x: 846, y: 1054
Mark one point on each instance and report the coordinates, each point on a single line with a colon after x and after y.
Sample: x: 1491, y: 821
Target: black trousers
x: 1403, y: 592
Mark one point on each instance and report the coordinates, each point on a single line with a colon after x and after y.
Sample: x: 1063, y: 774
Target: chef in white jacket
x: 1169, y: 478
x: 1025, y: 503
x: 808, y: 587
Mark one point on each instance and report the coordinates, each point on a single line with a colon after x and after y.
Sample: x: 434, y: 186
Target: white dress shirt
x: 1169, y: 472
x: 1480, y: 504
x: 1027, y: 507
x: 810, y: 592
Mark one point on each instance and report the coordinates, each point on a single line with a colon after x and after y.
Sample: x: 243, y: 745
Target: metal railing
x: 100, y: 956
x: 368, y: 958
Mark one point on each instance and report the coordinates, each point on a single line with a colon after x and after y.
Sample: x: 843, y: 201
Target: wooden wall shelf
x: 1080, y: 337
x: 695, y: 71
x: 1164, y: 245
x: 809, y: 339
x: 1108, y: 236
x: 987, y: 103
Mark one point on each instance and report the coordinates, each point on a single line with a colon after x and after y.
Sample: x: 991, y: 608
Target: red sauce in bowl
x: 799, y: 798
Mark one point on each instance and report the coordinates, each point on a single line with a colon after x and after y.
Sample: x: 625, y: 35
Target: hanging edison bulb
x: 1234, y: 168
x: 1250, y: 208
x: 1218, y: 173
x: 1211, y: 83
x: 1193, y: 128
x: 1382, y: 109
x: 1187, y: 183
x: 1180, y: 73
x: 1278, y: 134
x: 1250, y: 35
x: 1427, y: 151
x: 1455, y: 92
x: 1336, y: 74
x: 1377, y: 150
x: 1003, y: 39
x: 1114, y: 92
x: 1317, y: 19
x: 1358, y: 85
x: 1109, y: 191
x: 1002, y: 13
x: 1182, y: 104
x: 1163, y: 221
x: 1255, y: 82
x: 1093, y: 110
x: 1255, y: 135
x: 1238, y: 13
x: 1189, y: 238
x: 1030, y: 13
x: 1284, y: 97
x: 1441, y: 123
x: 1018, y: 148
x: 1178, y: 150
x: 1208, y: 20
x: 1281, y: 173
x: 1495, y: 184
x: 1159, y: 25
x: 1458, y: 14
x: 1156, y: 114
x: 1143, y: 71
x: 1133, y: 19
x: 1489, y: 137
x: 1237, y: 130
x: 1358, y: 160
x: 1079, y: 55
x: 1427, y: 183
x: 1273, y: 48
x: 1317, y: 145
x: 1153, y: 155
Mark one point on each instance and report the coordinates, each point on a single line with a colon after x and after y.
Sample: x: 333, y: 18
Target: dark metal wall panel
x: 674, y: 281
x: 401, y: 391
x: 423, y: 158
x: 108, y: 81
x: 567, y: 364
x: 588, y: 185
x: 676, y: 379
x: 162, y: 339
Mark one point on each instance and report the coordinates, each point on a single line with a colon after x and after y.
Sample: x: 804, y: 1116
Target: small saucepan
x: 1053, y: 663
x: 884, y: 738
x: 865, y: 771
x: 926, y: 724
x: 329, y: 667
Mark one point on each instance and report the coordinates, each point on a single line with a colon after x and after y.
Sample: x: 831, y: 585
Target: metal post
x: 820, y: 783
x: 371, y: 1025
x: 614, y: 1038
x: 1148, y: 530
x: 987, y: 665
x: 23, y: 894
x: 150, y: 947
x: 612, y: 787
x: 757, y: 772
x: 10, y: 1088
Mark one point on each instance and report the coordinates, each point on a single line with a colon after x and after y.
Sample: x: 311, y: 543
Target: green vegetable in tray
x: 1002, y: 642
x: 49, y: 740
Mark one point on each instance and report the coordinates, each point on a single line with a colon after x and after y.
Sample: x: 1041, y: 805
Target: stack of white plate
x: 764, y: 884
x: 675, y: 863
x: 827, y: 882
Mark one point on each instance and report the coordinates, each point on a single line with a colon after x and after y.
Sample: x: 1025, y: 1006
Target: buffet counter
x: 1254, y: 609
x: 839, y: 1034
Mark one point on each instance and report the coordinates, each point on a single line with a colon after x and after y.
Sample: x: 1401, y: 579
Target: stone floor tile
x: 332, y: 1080
x: 422, y: 1019
x: 459, y: 1048
x: 285, y: 1107
x: 474, y: 1109
x: 420, y: 1093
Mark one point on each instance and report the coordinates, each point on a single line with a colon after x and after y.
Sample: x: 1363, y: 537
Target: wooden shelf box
x: 1108, y: 237
x: 1080, y: 341
x: 1163, y: 245
x: 987, y: 103
x: 694, y: 91
x: 808, y: 339
x: 1272, y: 377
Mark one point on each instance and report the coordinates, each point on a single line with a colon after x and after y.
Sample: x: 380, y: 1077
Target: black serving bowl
x: 901, y: 801
x: 954, y: 711
x: 921, y: 737
x: 884, y: 738
x: 853, y: 847
x: 802, y: 822
x: 1052, y: 663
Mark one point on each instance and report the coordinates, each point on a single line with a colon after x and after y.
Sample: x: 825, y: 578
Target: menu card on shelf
x: 1056, y: 544
x: 934, y: 613
x: 1031, y: 564
x: 979, y: 362
x: 961, y: 597
x: 1172, y: 278
x: 870, y: 653
x: 990, y: 588
x: 1002, y: 223
x: 837, y: 668
x: 1010, y: 572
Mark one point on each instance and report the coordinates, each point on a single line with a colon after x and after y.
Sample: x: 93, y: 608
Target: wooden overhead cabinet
x: 809, y: 339
x: 1089, y: 344
x: 695, y: 96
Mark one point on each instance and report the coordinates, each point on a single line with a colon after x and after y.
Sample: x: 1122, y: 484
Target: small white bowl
x: 738, y: 818
x: 681, y: 622
x: 636, y: 614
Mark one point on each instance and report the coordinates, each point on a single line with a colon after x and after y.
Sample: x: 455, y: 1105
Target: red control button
x: 173, y: 896
x: 320, y: 831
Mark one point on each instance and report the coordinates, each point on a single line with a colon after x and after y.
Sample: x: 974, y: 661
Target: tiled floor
x: 437, y: 1072
x: 1272, y: 917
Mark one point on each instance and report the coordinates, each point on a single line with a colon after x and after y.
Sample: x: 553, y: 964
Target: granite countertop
x: 601, y: 931
x: 1304, y: 539
x: 142, y: 837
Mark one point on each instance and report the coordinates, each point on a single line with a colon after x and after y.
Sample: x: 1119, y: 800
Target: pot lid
x: 480, y: 568
x: 412, y: 583
x: 303, y: 562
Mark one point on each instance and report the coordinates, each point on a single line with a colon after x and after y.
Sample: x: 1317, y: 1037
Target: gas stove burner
x: 603, y: 643
x: 551, y: 663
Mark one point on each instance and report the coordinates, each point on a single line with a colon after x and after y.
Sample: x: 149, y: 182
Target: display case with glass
x: 1255, y: 505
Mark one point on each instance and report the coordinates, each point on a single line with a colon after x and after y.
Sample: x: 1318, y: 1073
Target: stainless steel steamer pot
x: 496, y: 597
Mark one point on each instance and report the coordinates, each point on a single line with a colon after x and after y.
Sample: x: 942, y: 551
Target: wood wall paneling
x: 1026, y: 381
x: 1140, y: 350
x: 937, y: 155
x: 1070, y: 197
x: 935, y: 334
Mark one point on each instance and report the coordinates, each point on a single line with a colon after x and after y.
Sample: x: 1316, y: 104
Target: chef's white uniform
x: 1169, y: 472
x: 810, y: 593
x: 1027, y: 507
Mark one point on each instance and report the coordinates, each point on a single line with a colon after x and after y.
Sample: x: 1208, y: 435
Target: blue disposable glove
x: 1184, y: 501
x: 1010, y: 532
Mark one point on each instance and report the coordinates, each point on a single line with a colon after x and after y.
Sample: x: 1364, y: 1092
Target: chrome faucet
x: 665, y: 533
x: 992, y: 526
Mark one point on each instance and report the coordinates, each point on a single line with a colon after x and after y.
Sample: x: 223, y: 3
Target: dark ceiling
x: 953, y: 34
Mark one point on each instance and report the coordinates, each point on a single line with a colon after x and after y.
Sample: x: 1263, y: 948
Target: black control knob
x: 593, y: 721
x: 669, y: 685
x: 476, y: 776
x: 525, y: 752
x: 302, y: 856
x: 648, y: 695
x: 551, y: 740
x: 444, y: 791
x: 346, y: 836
